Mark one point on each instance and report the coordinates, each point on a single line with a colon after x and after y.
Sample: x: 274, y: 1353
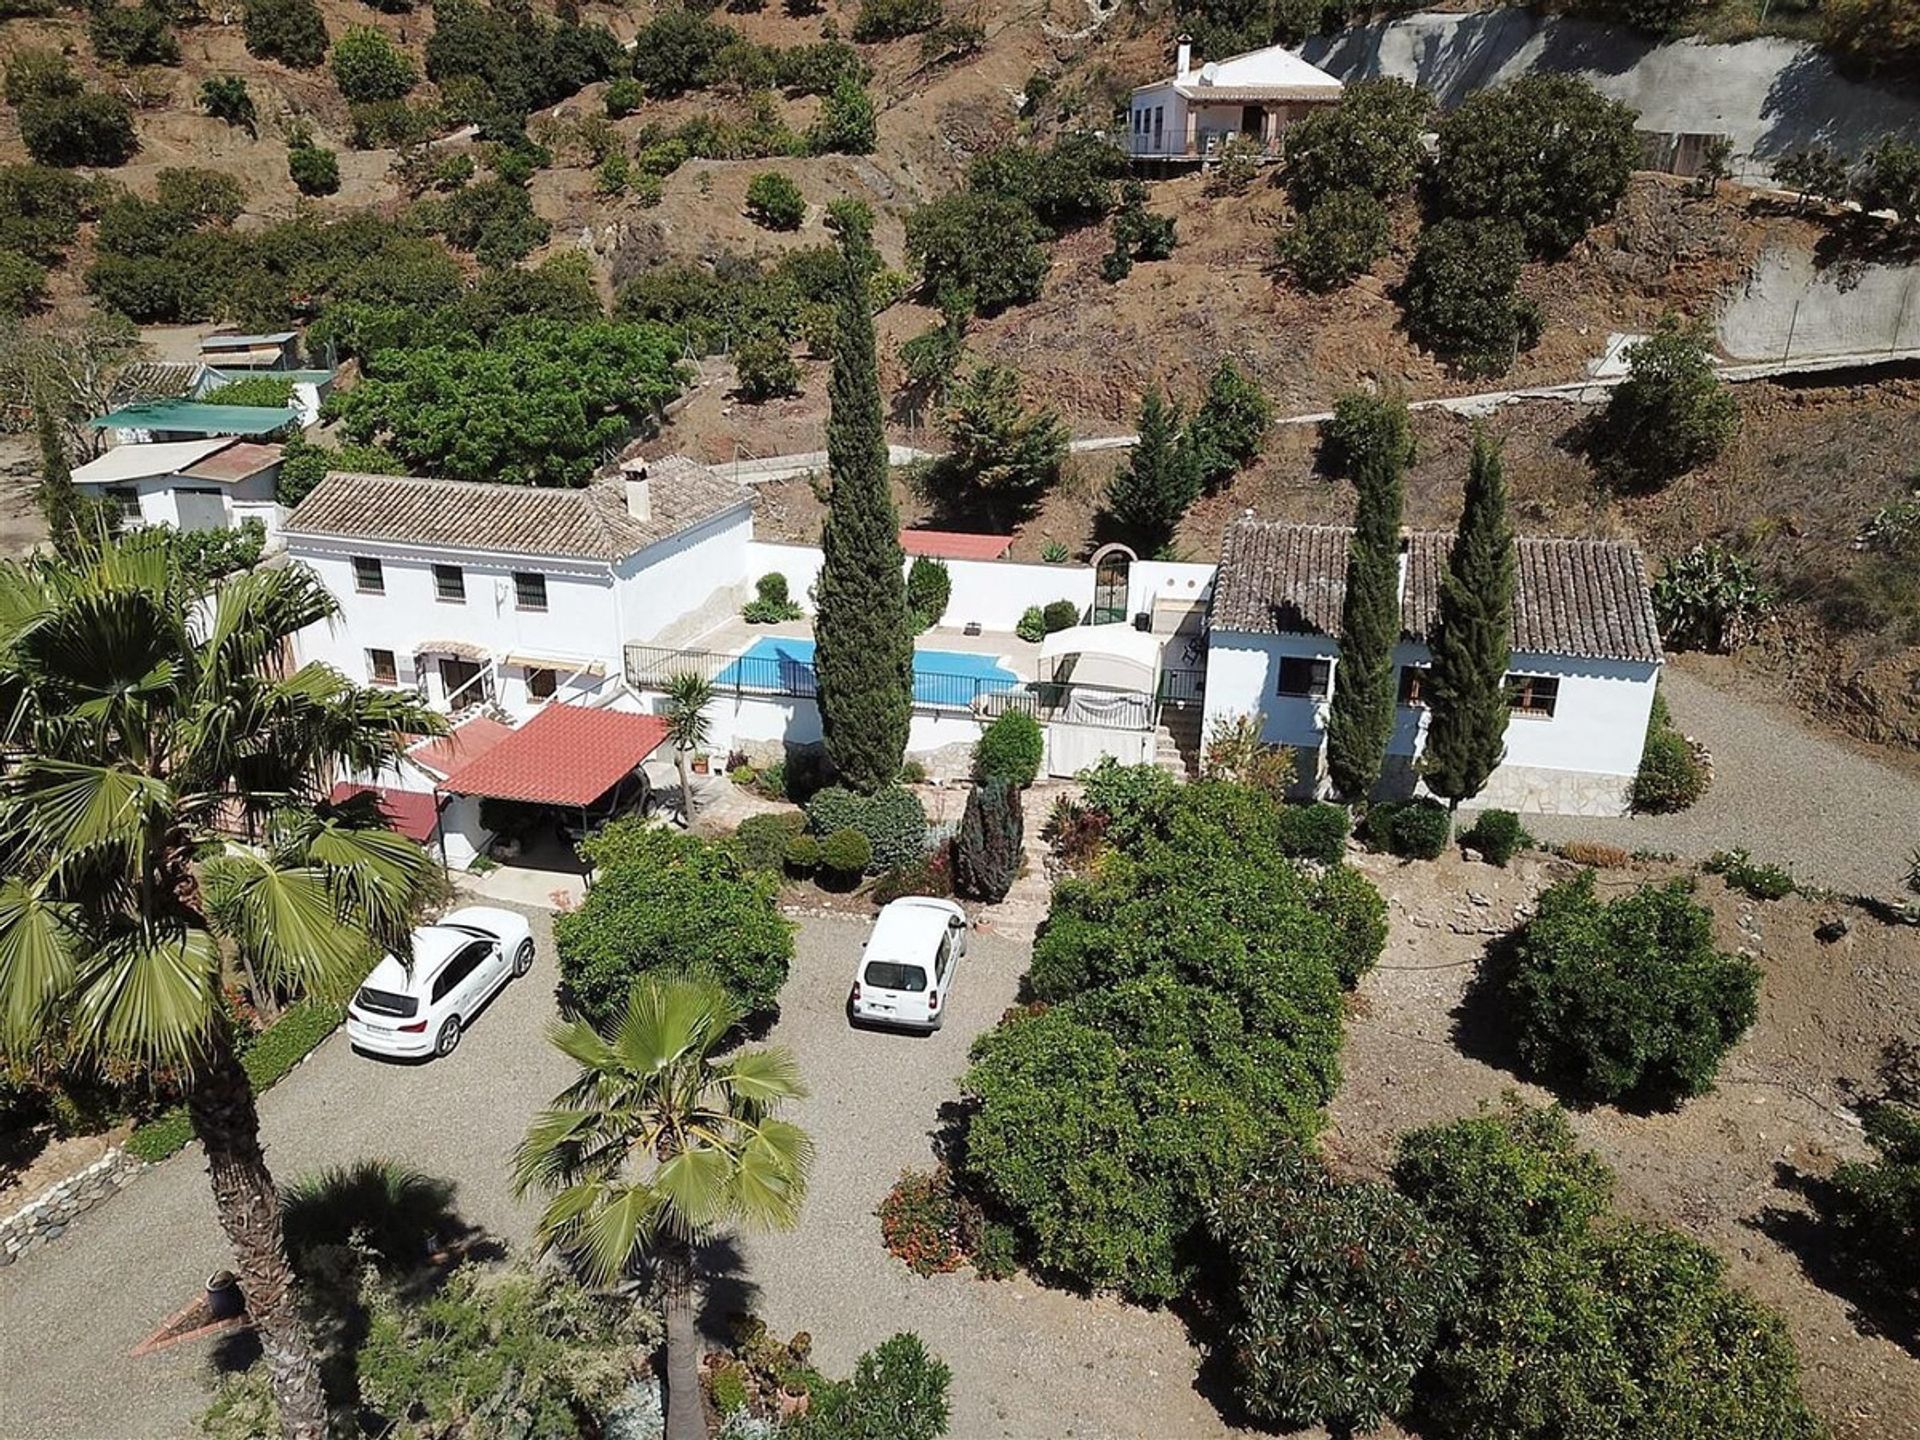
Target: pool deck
x: 735, y: 637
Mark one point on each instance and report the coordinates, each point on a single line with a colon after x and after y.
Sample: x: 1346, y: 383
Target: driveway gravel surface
x: 1027, y: 1362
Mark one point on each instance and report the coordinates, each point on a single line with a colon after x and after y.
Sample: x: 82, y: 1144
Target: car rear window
x: 385, y: 1002
x: 891, y: 975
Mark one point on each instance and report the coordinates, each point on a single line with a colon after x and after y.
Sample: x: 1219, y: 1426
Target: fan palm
x: 688, y: 695
x: 658, y: 1145
x: 146, y: 718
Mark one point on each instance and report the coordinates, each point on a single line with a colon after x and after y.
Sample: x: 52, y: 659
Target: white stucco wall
x: 159, y: 504
x: 1597, y: 729
x: 992, y: 593
x: 580, y: 622
x: 680, y: 576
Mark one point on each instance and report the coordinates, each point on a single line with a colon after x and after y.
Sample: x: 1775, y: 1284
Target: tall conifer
x: 1151, y: 492
x: 864, y: 644
x: 1473, y: 631
x: 1360, y: 719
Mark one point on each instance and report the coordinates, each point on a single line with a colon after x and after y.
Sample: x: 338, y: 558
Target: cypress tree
x: 863, y: 658
x: 1473, y: 631
x: 1161, y: 478
x: 1360, y: 719
x: 66, y: 513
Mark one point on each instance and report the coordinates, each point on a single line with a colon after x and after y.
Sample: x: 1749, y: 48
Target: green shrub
x: 1032, y: 625
x: 929, y: 588
x: 985, y: 247
x: 1873, y: 1205
x: 846, y: 124
x: 1625, y: 998
x: 764, y: 369
x: 1711, y: 598
x: 133, y: 35
x: 495, y: 221
x: 1412, y: 829
x: 623, y: 97
x: 368, y: 67
x: 1338, y: 238
x: 667, y: 901
x: 1462, y: 294
x: 846, y: 855
x: 40, y: 210
x: 1498, y: 835
x: 892, y: 820
x: 892, y: 19
x: 1370, y: 141
x: 1576, y: 1322
x: 1357, y: 912
x: 986, y: 852
x: 1317, y: 831
x: 23, y: 284
x: 225, y: 98
x: 927, y: 1222
x: 1010, y: 749
x: 762, y: 840
x: 314, y: 171
x: 1303, y: 1247
x: 1060, y: 615
x: 393, y: 124
x: 803, y: 855
x: 898, y: 1392
x: 1671, y: 776
x: 1743, y: 873
x: 932, y: 875
x: 1133, y: 798
x: 771, y: 603
x: 775, y: 202
x: 1671, y: 415
x: 86, y: 128
x: 290, y: 31
x: 272, y: 1053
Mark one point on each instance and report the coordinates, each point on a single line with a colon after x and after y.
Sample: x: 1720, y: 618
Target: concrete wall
x: 1769, y: 95
x: 1580, y: 760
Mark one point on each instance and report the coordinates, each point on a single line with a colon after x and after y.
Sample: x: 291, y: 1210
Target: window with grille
x: 368, y: 577
x: 1304, y: 677
x: 1415, y: 683
x: 381, y: 666
x: 1534, y: 695
x: 450, y: 584
x: 529, y: 590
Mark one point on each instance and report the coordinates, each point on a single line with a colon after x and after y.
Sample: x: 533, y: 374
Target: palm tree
x: 657, y: 1145
x: 688, y: 695
x: 147, y: 718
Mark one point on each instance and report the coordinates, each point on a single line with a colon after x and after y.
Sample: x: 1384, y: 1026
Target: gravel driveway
x: 1027, y: 1362
x: 1787, y: 793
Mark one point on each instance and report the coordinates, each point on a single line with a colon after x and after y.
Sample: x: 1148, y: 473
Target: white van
x: 906, y: 972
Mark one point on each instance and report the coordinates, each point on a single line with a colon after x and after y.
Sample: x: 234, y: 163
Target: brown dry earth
x: 1725, y: 1167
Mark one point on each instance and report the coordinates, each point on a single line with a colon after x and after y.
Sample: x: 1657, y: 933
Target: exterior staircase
x: 1176, y: 743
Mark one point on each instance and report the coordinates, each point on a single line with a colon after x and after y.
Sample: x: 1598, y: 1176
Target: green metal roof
x: 191, y: 416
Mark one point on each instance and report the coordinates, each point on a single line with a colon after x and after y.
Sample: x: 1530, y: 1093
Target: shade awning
x: 459, y: 649
x: 558, y: 662
x: 1120, y: 641
x: 565, y: 755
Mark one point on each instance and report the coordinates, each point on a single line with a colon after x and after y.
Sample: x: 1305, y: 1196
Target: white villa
x: 1586, y: 657
x: 1192, y: 114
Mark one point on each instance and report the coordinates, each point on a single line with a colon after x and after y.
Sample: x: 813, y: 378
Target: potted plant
x: 701, y: 764
x: 224, y: 1300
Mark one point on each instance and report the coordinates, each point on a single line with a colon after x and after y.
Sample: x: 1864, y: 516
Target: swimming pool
x: 950, y: 678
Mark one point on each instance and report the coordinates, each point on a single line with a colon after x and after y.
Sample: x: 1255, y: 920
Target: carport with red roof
x: 566, y: 756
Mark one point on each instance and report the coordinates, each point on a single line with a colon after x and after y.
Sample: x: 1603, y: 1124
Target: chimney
x: 1183, y: 66
x: 633, y: 476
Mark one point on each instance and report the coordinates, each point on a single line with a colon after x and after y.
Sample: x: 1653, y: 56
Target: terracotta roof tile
x: 955, y: 544
x: 590, y: 523
x: 1586, y: 598
x: 465, y: 743
x: 564, y: 755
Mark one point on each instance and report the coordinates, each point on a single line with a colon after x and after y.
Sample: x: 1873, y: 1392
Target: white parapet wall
x: 992, y: 594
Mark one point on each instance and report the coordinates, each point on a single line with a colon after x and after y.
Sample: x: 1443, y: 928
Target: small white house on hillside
x: 512, y: 595
x: 216, y: 483
x: 1586, y: 657
x: 1193, y: 113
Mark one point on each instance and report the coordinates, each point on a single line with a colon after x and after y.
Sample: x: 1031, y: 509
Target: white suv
x: 411, y: 1011
x: 906, y: 973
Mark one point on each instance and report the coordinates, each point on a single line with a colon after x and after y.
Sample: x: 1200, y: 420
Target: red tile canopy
x: 411, y: 812
x: 955, y: 544
x: 564, y: 755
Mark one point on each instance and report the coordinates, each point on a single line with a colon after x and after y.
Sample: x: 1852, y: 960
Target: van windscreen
x: 891, y: 975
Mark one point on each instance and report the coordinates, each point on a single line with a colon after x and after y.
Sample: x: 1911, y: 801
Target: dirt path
x: 1721, y: 1167
x: 1787, y: 793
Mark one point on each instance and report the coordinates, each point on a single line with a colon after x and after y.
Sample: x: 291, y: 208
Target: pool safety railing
x: 652, y: 667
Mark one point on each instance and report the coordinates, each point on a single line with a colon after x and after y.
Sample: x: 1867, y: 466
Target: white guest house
x: 1585, y: 657
x: 213, y: 483
x: 512, y: 595
x: 1253, y: 97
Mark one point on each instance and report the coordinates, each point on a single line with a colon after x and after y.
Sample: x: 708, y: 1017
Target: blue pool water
x: 940, y: 677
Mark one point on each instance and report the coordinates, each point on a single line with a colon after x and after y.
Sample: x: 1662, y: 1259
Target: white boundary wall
x: 991, y: 593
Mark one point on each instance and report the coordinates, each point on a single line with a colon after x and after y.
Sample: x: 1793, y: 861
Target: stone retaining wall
x: 47, y: 1216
